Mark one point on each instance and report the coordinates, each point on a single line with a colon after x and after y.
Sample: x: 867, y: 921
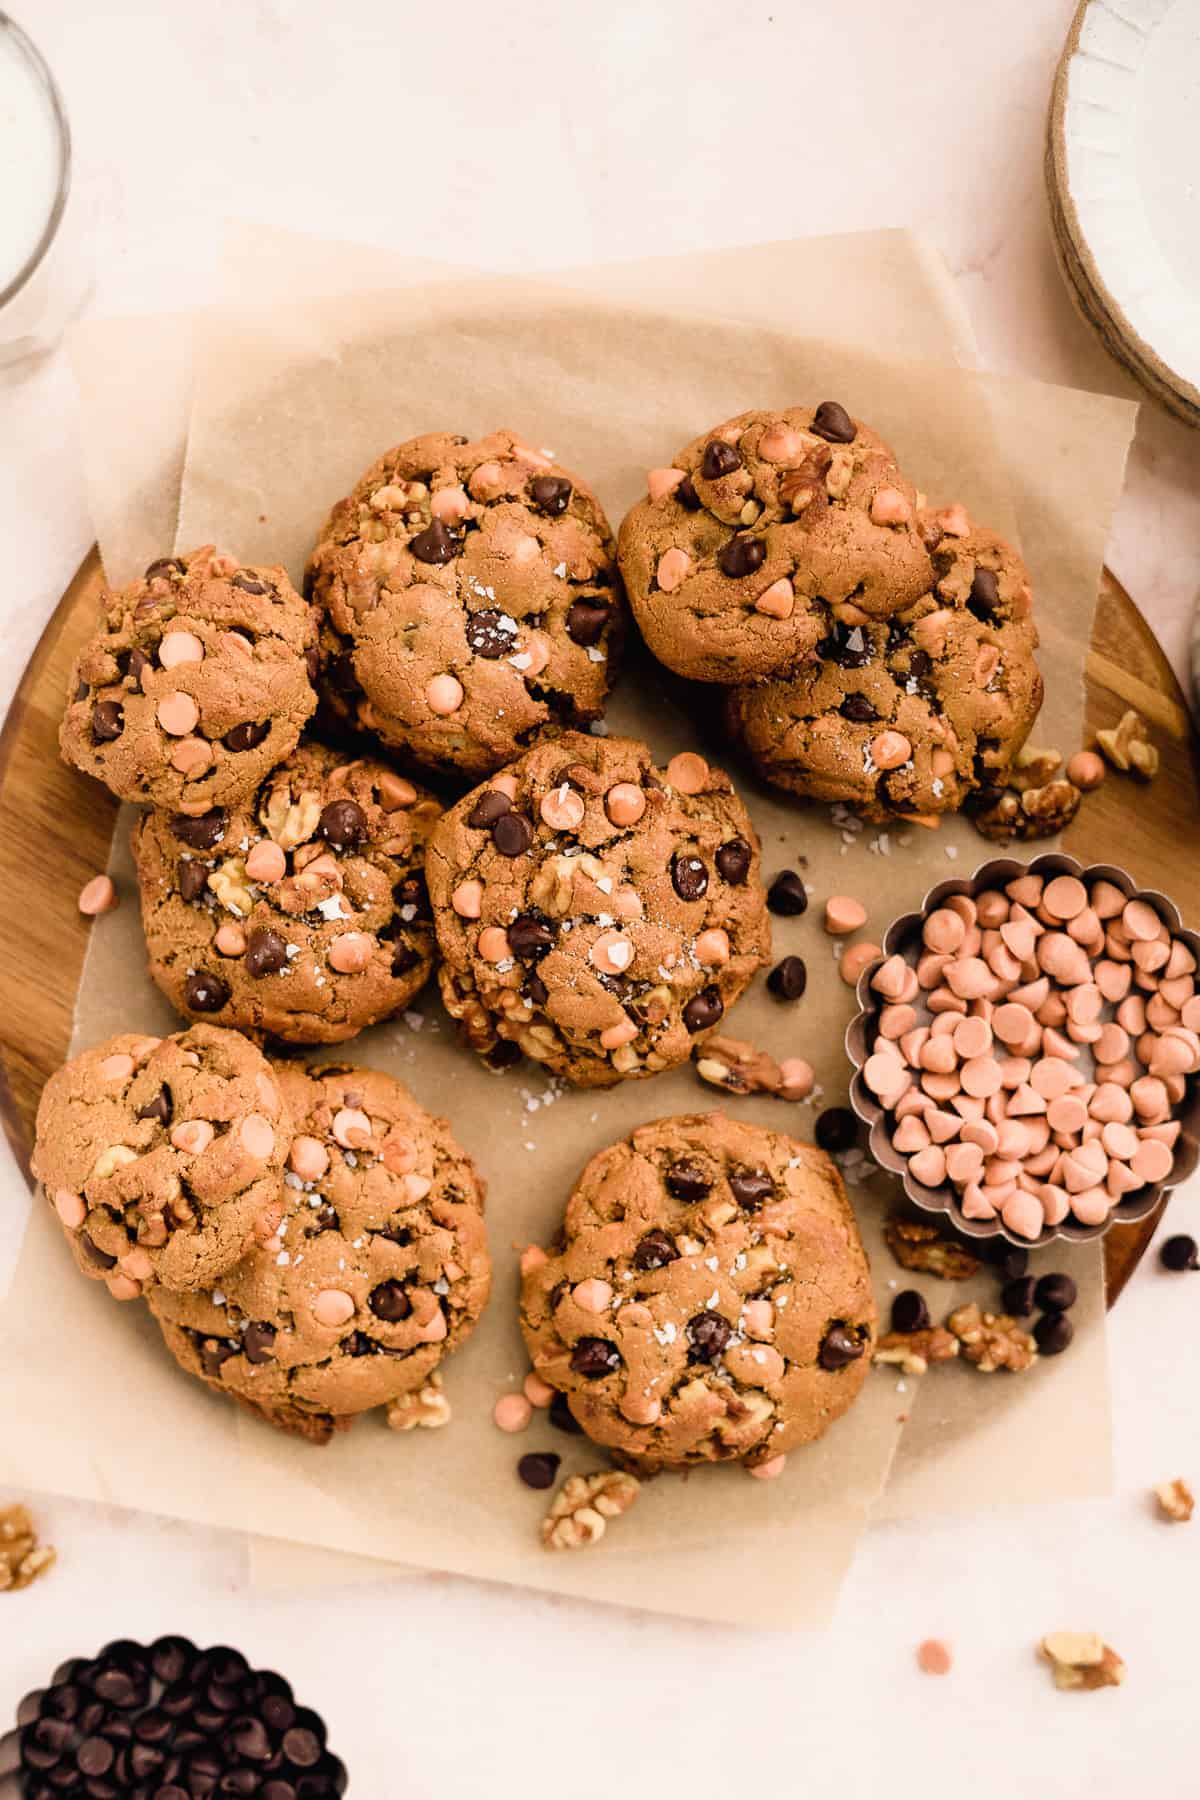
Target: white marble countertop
x: 533, y: 136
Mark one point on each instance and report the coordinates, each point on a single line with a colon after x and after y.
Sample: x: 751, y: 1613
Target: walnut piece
x: 1081, y: 1659
x: 913, y: 1351
x: 918, y: 1245
x: 1175, y: 1501
x: 741, y: 1068
x: 1127, y: 746
x: 583, y: 1505
x: 1033, y: 767
x: 22, y: 1558
x: 1036, y: 812
x: 992, y: 1340
x: 290, y: 822
x: 428, y: 1407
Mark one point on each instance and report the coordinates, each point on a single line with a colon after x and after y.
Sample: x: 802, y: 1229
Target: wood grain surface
x: 56, y: 826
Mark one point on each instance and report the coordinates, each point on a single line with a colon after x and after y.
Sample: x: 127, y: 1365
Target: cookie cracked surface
x: 761, y: 533
x: 469, y: 598
x: 163, y: 1157
x: 378, y: 1269
x: 708, y: 1298
x: 595, y: 911
x: 196, y: 682
x: 300, y: 914
x: 913, y: 713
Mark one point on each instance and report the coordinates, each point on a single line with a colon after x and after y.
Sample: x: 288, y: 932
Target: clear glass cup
x: 42, y: 267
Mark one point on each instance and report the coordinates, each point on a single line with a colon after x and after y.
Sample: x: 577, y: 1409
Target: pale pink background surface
x: 526, y: 138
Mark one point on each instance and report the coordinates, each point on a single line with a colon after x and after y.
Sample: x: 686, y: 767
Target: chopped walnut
x: 583, y: 1505
x: 1127, y: 746
x: 1037, y: 812
x: 1033, y: 767
x: 742, y: 1068
x: 1081, y: 1659
x: 913, y: 1351
x: 22, y: 1558
x: 992, y: 1340
x: 290, y: 822
x: 918, y: 1245
x: 428, y: 1407
x: 1175, y: 1501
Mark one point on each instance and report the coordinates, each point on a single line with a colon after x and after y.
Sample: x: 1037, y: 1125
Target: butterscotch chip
x: 195, y: 684
x: 379, y: 1267
x: 918, y: 1245
x: 300, y: 914
x: 469, y: 599
x: 602, y: 947
x: 708, y: 1299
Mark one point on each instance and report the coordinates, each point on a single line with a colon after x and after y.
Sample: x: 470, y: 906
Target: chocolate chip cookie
x: 469, y: 597
x: 197, y: 681
x: 761, y: 534
x: 300, y: 914
x: 597, y: 912
x: 379, y: 1267
x: 914, y: 713
x: 708, y: 1296
x: 163, y: 1157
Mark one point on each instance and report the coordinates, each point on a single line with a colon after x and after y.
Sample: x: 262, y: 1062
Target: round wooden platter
x: 56, y: 827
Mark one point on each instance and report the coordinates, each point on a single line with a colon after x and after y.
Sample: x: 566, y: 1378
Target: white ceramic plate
x: 1124, y: 162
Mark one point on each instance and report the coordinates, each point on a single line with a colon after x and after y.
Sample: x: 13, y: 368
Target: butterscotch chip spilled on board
x: 1081, y: 1659
x: 22, y: 1558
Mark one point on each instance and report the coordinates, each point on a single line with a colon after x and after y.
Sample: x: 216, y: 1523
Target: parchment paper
x: 770, y: 1567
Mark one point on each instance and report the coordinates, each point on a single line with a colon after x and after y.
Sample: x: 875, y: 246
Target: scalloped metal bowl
x: 902, y: 937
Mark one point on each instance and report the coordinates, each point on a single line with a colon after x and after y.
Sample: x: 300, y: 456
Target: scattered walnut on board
x: 22, y: 1558
x: 580, y: 1511
x: 1175, y: 1501
x: 992, y: 1340
x: 742, y: 1068
x: 916, y: 1244
x: 913, y: 1351
x: 1081, y: 1659
x: 1127, y: 746
x: 428, y: 1408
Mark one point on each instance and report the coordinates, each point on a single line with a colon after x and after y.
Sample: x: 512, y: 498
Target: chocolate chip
x: 741, y: 556
x: 411, y: 890
x: 82, y: 690
x: 733, y: 861
x: 435, y: 544
x: 708, y: 1334
x: 205, y: 993
x: 491, y: 634
x: 689, y: 876
x: 213, y: 1352
x: 95, y: 1756
x: 258, y: 1343
x: 909, y: 1312
x: 247, y: 736
x: 191, y: 878
x: 688, y: 1180
x: 202, y: 832
x: 654, y: 1251
x: 834, y: 424
x: 550, y: 494
x: 342, y: 824
x: 538, y: 1468
x: 167, y: 566
x: 491, y: 805
x: 389, y: 1302
x: 836, y: 1129
x: 595, y: 1356
x: 504, y: 1052
x: 847, y: 645
x: 135, y: 665
x: 1010, y: 1260
x: 1180, y: 1253
x: 159, y: 1108
x: 562, y: 1418
x: 787, y: 895
x: 1052, y: 1333
x: 789, y: 978
x: 312, y: 663
x: 858, y: 709
x: 984, y: 597
x: 340, y: 675
x: 404, y: 959
x: 266, y: 952
x: 839, y: 1347
x: 703, y: 1010
x: 512, y: 834
x: 100, y: 1258
x: 920, y: 664
x: 108, y: 721
x: 1056, y: 1293
x: 586, y: 620
x: 750, y: 1187
x: 530, y: 936
x: 719, y: 459
x: 537, y: 990
x: 301, y: 1747
x: 687, y: 496
x: 1016, y: 1296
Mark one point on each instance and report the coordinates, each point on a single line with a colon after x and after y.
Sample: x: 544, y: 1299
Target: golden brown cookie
x: 379, y: 1268
x: 597, y: 912
x: 470, y: 597
x: 300, y: 914
x: 708, y: 1297
x: 914, y: 713
x: 163, y: 1157
x: 197, y: 680
x: 763, y: 531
